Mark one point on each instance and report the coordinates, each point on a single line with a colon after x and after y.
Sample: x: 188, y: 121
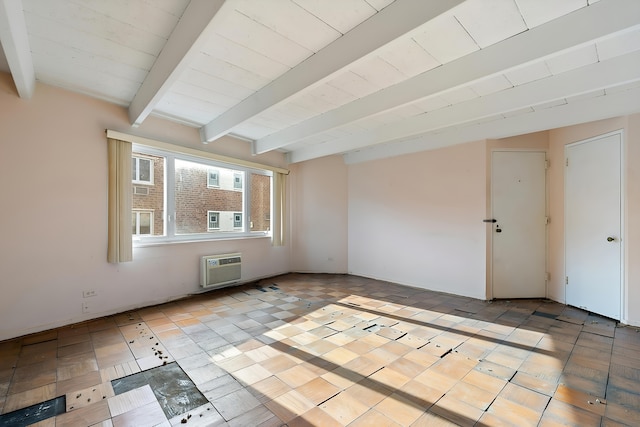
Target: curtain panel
x: 119, y: 247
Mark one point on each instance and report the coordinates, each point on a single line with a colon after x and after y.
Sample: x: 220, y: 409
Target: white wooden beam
x: 601, y: 75
x: 182, y: 46
x: 580, y: 27
x: 393, y: 21
x: 15, y: 43
x: 598, y: 108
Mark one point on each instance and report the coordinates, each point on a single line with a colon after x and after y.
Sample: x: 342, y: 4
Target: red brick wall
x: 155, y: 199
x: 194, y: 199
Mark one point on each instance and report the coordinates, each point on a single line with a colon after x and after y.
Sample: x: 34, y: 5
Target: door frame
x: 491, y: 215
x: 623, y: 240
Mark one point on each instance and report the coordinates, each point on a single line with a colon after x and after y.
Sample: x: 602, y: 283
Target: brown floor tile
x: 29, y: 397
x: 89, y: 415
x: 367, y: 352
x: 560, y: 413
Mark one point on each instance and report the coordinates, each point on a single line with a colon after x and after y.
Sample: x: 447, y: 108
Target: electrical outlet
x: 85, y: 307
x: 87, y: 294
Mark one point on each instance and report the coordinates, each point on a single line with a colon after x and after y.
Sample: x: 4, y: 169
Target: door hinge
x: 547, y: 165
x: 566, y: 280
x: 547, y: 276
x: 547, y: 220
x: 566, y: 162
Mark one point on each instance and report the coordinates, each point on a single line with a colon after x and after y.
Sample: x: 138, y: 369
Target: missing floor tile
x: 34, y: 413
x: 543, y: 314
x: 175, y: 391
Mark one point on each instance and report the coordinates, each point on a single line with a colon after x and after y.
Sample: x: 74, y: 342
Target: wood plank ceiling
x: 363, y: 78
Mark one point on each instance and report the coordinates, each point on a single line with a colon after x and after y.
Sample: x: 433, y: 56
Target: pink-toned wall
x: 53, y: 180
x: 558, y: 138
x: 319, y: 220
x: 417, y: 219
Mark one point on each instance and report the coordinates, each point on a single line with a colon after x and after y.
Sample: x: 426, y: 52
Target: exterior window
x: 142, y: 223
x: 213, y: 178
x: 214, y: 220
x: 142, y: 170
x: 237, y: 181
x: 197, y: 199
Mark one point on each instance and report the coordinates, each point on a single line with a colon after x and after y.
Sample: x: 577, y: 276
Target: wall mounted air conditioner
x: 219, y: 270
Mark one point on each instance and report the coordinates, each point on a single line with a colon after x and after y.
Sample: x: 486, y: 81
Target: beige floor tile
x: 318, y: 390
x: 236, y: 403
x: 306, y: 344
x: 312, y: 418
x: 400, y: 409
x: 344, y: 408
x: 130, y: 400
x: 296, y: 376
x: 289, y: 405
x: 150, y: 414
x: 88, y: 396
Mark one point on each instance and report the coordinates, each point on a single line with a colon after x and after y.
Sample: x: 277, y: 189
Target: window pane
x: 145, y: 223
x: 194, y: 198
x: 134, y: 223
x: 144, y: 166
x: 260, y: 202
x: 154, y: 198
x: 134, y: 172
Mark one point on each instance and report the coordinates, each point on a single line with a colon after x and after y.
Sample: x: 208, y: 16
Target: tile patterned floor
x: 335, y: 350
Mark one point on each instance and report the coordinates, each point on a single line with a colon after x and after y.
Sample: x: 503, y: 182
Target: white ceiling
x: 364, y: 78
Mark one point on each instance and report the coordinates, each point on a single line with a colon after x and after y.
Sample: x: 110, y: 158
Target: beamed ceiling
x: 364, y: 78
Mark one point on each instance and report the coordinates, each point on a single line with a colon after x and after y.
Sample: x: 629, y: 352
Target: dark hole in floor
x: 174, y: 390
x: 543, y: 314
x: 34, y: 413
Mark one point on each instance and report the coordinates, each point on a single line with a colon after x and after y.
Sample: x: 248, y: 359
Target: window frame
x: 169, y: 210
x: 137, y: 170
x: 217, y: 182
x: 209, y: 228
x: 137, y: 213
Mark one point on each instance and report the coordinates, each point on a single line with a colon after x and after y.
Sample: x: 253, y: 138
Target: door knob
x: 610, y: 239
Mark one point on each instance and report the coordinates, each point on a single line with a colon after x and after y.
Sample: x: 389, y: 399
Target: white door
x: 518, y: 204
x: 593, y: 251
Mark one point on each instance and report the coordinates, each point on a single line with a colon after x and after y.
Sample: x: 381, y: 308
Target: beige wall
x: 53, y: 178
x: 558, y: 138
x: 319, y: 218
x: 417, y: 219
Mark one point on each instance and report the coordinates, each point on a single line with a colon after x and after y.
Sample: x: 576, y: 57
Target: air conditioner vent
x: 141, y: 191
x: 219, y: 270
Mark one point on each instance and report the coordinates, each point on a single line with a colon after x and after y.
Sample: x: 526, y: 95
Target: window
x: 237, y: 181
x: 142, y: 170
x: 213, y: 178
x: 214, y: 220
x: 142, y: 223
x: 196, y: 198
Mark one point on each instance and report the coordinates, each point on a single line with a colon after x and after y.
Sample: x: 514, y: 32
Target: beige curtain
x: 119, y: 241
x: 279, y: 209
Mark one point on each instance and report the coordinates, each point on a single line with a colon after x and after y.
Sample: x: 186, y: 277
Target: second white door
x: 518, y: 202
